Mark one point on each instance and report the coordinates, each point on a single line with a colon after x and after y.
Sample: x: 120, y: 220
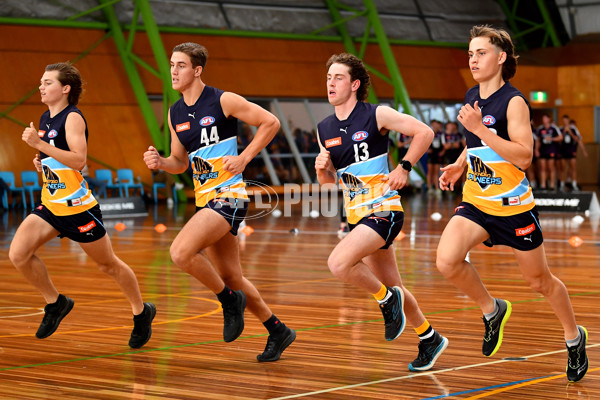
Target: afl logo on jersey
x: 206, y: 121
x: 360, y: 136
x: 52, y: 134
x: 489, y: 120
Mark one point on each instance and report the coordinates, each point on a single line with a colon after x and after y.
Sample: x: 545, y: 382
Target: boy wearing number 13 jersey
x: 354, y: 151
x: 359, y: 153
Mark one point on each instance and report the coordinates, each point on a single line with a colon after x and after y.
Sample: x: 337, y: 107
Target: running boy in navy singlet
x: 68, y: 208
x: 203, y: 126
x: 354, y: 153
x: 498, y: 205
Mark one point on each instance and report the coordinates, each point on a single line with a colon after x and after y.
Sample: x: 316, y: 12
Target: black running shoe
x: 142, y: 327
x: 428, y: 354
x: 233, y: 317
x: 53, y: 314
x: 393, y: 313
x: 276, y: 344
x: 577, y: 365
x: 494, y: 329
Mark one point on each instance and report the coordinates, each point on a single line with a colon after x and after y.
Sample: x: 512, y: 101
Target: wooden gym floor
x: 340, y: 351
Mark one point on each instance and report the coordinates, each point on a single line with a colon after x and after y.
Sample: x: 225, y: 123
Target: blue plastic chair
x: 9, y: 178
x: 31, y: 183
x: 126, y: 180
x: 161, y: 185
x: 105, y: 175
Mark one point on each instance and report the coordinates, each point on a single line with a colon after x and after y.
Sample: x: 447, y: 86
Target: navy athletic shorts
x: 232, y: 209
x: 84, y: 227
x: 387, y: 224
x: 520, y: 231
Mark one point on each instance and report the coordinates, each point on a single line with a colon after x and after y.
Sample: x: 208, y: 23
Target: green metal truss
x: 523, y: 14
x: 124, y: 36
x: 125, y: 46
x: 373, y: 23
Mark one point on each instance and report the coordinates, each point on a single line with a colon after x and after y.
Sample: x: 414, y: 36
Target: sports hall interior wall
x: 248, y: 66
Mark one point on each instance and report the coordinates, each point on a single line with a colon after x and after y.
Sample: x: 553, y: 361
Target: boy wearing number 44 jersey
x: 203, y: 126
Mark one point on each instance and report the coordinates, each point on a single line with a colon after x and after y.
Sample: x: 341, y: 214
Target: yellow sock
x: 423, y: 328
x: 381, y: 294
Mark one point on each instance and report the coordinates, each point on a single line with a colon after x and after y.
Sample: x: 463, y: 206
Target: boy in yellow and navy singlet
x: 498, y: 207
x: 354, y: 154
x: 494, y: 186
x: 203, y: 125
x: 68, y: 208
x: 65, y: 192
x: 359, y: 153
x: 208, y: 136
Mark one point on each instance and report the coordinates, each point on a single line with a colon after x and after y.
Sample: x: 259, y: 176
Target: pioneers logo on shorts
x: 52, y: 134
x: 87, y: 227
x: 206, y: 121
x: 333, y: 142
x: 525, y: 231
x: 489, y: 120
x: 360, y: 136
x: 182, y: 127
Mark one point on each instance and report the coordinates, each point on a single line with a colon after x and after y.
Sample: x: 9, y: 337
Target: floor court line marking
x: 112, y: 328
x: 518, y: 385
x: 403, y: 377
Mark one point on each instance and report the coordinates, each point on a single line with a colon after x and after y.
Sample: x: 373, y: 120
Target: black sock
x: 274, y: 325
x: 57, y: 303
x: 140, y: 315
x: 227, y: 296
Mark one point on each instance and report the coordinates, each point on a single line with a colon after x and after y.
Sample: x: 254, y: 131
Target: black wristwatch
x: 406, y: 165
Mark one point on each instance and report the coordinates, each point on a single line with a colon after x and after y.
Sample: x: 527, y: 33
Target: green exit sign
x: 538, y: 97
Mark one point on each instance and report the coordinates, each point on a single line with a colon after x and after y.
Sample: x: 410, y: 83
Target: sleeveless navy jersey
x: 64, y: 192
x: 208, y: 136
x: 359, y: 154
x: 494, y: 185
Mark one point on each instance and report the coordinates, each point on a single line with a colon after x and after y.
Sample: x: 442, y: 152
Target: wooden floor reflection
x: 340, y: 351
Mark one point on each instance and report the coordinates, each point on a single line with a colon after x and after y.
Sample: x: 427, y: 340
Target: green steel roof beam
x: 170, y: 96
x: 91, y: 10
x: 133, y: 75
x: 217, y: 32
x: 144, y: 65
x: 510, y: 19
x: 550, y: 30
x: 336, y: 23
x: 53, y: 23
x: 87, y: 51
x: 365, y: 41
x: 347, y: 40
x: 400, y: 92
x: 133, y: 29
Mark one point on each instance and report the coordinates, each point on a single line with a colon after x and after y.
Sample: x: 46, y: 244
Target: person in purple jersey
x: 568, y: 153
x: 203, y: 125
x: 549, y: 139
